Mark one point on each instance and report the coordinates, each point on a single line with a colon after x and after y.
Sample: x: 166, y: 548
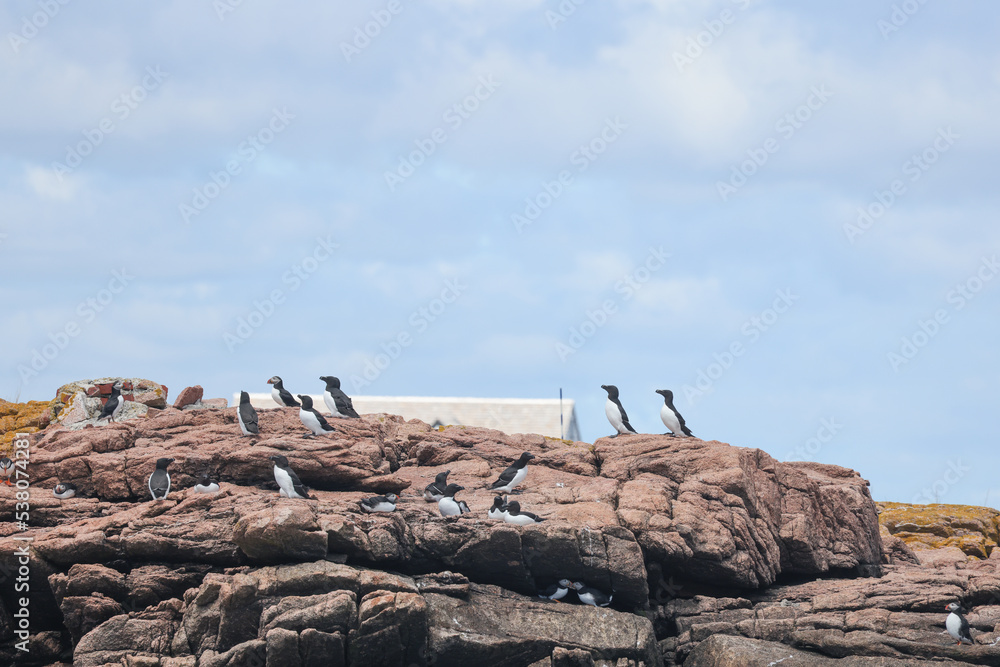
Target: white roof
x: 510, y: 415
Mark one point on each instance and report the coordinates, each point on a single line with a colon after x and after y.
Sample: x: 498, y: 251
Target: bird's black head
x: 307, y: 401
x: 526, y: 456
x: 442, y: 477
x: 611, y: 389
x: 391, y: 497
x: 452, y: 489
x: 513, y: 507
x: 331, y: 382
x: 498, y: 502
x: 280, y: 461
x: 244, y: 397
x: 163, y: 463
x: 667, y: 395
x: 275, y: 381
x: 954, y: 607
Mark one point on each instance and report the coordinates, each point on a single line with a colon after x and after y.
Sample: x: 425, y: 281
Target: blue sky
x: 502, y: 199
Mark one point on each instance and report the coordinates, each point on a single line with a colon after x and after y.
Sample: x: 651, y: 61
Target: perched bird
x: 311, y: 419
x: 6, y: 470
x: 556, y: 591
x: 206, y: 484
x: 288, y: 482
x: 281, y: 395
x: 499, y: 509
x: 957, y: 626
x: 434, y: 491
x: 615, y: 412
x: 671, y: 417
x: 448, y: 505
x: 517, y: 517
x: 339, y: 403
x: 113, y: 407
x: 247, y: 416
x: 386, y: 503
x: 64, y: 490
x: 513, y: 475
x: 588, y: 595
x: 159, y: 480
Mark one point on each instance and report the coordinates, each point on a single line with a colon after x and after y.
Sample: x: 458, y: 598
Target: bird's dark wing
x: 297, y: 485
x: 533, y: 516
x: 109, y: 407
x: 506, y: 476
x: 625, y: 423
x: 159, y: 484
x: 249, y: 417
x: 287, y: 398
x: 343, y: 402
x: 322, y: 421
x: 965, y: 631
x: 684, y: 429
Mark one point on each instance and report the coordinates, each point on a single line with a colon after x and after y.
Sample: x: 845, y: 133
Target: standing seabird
x: 6, y: 469
x: 499, y: 509
x: 448, y: 505
x: 556, y: 591
x: 588, y: 595
x: 64, y: 490
x: 434, y: 491
x: 671, y: 417
x: 311, y: 419
x: 519, y: 517
x: 339, y: 403
x: 281, y: 396
x: 247, y: 416
x: 206, y: 484
x: 615, y: 412
x: 159, y: 480
x: 113, y: 407
x: 288, y: 482
x: 513, y: 475
x: 386, y: 503
x: 957, y: 626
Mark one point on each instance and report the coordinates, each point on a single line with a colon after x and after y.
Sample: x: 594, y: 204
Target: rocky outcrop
x: 15, y: 418
x: 974, y: 530
x: 78, y: 404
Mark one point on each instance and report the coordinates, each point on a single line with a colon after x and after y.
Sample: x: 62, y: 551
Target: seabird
x: 434, y: 491
x: 957, y: 626
x: 671, y: 417
x: 499, y: 509
x: 448, y: 505
x: 588, y: 595
x: 386, y: 503
x: 288, y: 482
x: 64, y: 490
x: 247, y: 416
x: 615, y: 412
x: 517, y: 517
x: 556, y: 591
x: 6, y: 470
x: 339, y: 403
x: 206, y: 484
x: 281, y: 395
x: 513, y: 475
x: 159, y: 480
x: 113, y: 406
x: 311, y: 419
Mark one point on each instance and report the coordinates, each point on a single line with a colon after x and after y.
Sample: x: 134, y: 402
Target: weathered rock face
x: 15, y: 418
x: 78, y: 404
x: 244, y: 575
x: 974, y: 530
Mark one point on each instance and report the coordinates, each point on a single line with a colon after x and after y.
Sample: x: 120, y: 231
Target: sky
x: 786, y: 213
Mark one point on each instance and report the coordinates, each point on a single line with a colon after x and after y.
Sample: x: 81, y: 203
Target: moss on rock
x: 974, y: 530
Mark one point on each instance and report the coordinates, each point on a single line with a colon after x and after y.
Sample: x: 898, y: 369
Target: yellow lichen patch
x: 21, y: 418
x: 974, y: 530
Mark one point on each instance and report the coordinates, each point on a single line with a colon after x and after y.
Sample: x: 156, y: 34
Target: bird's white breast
x: 449, y: 507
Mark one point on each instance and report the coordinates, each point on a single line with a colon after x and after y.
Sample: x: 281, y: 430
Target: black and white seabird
x: 448, y: 505
x: 311, y: 419
x: 281, y: 396
x: 556, y: 591
x: 247, y: 416
x: 957, y: 626
x: 588, y: 595
x: 64, y: 490
x: 499, y: 509
x: 615, y: 412
x: 513, y: 475
x: 386, y: 503
x: 288, y: 482
x: 671, y: 417
x: 434, y: 491
x: 206, y: 484
x: 159, y: 480
x: 516, y: 516
x: 113, y: 406
x: 6, y: 469
x: 339, y: 403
